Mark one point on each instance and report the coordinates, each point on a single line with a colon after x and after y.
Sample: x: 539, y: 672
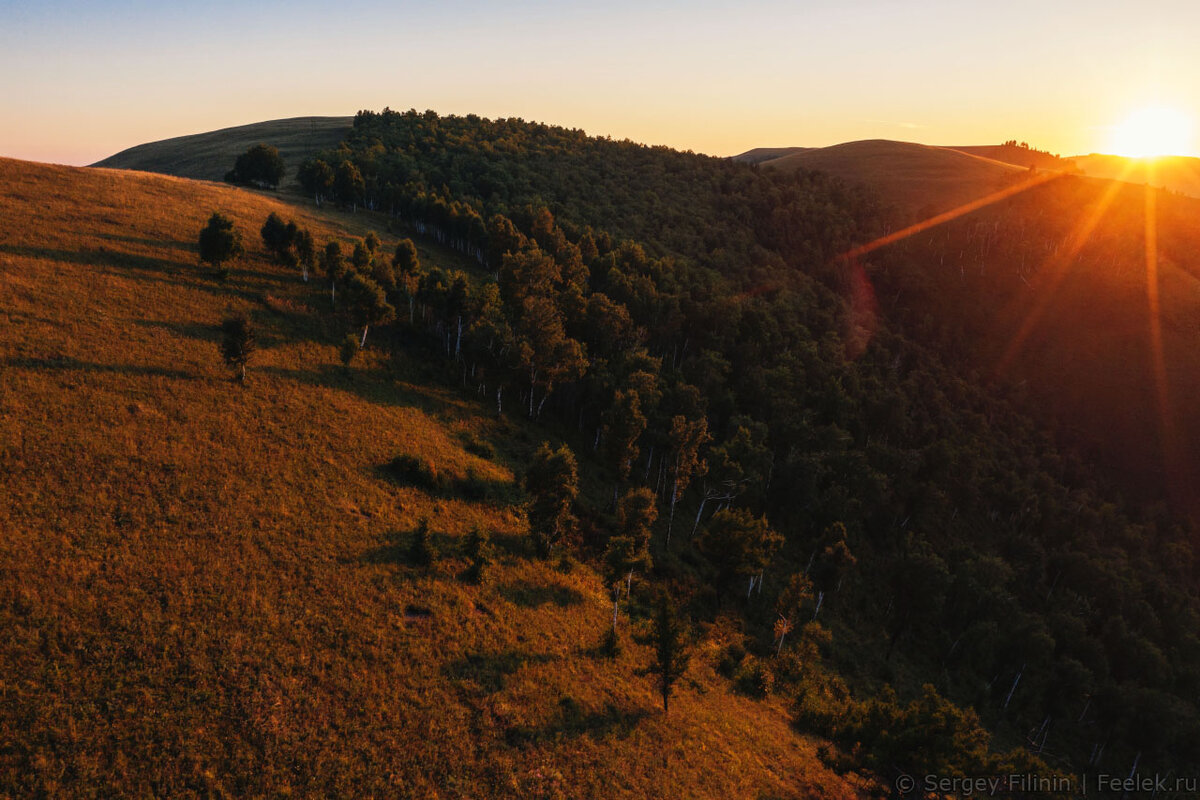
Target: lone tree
x: 220, y: 242
x: 261, y: 165
x: 552, y: 483
x: 479, y: 552
x: 670, y: 653
x: 237, y: 343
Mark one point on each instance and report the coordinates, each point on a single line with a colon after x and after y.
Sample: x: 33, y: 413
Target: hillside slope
x: 919, y: 180
x: 203, y: 584
x: 1174, y: 173
x: 208, y: 156
x: 1050, y: 291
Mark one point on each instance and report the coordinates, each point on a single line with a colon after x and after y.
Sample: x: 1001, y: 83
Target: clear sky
x: 82, y: 80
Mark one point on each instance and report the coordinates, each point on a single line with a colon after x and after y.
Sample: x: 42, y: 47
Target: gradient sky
x: 82, y: 80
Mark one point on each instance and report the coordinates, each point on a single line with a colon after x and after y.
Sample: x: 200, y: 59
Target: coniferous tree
x: 552, y: 483
x: 670, y: 649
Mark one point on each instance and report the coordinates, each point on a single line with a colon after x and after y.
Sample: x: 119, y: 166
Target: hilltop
x: 205, y: 587
x: 208, y: 156
x: 918, y: 179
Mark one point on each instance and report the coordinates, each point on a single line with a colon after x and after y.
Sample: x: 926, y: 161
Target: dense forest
x: 900, y: 549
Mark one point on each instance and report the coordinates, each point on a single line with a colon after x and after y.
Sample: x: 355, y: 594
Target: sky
x: 82, y: 80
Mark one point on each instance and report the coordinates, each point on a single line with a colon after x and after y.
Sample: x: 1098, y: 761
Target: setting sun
x: 1150, y: 132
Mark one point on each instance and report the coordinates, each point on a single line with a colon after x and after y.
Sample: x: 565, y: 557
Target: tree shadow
x: 69, y: 364
x: 384, y: 393
x: 487, y: 673
x: 532, y: 595
x: 396, y: 546
x: 103, y: 257
x: 572, y: 720
x: 186, y: 247
x: 188, y: 330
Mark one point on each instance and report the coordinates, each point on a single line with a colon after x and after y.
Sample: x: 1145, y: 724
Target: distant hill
x: 761, y: 154
x: 208, y: 156
x: 1015, y: 154
x: 1175, y: 173
x: 917, y: 179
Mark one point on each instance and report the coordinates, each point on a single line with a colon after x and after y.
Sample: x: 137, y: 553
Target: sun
x: 1151, y: 132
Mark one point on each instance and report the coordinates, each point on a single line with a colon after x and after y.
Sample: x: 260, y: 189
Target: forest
x: 940, y: 582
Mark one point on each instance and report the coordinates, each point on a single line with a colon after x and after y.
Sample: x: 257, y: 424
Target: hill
x: 917, y: 179
x: 1175, y: 173
x: 205, y: 589
x: 208, y: 156
x: 859, y: 527
x: 761, y: 154
x: 1018, y: 155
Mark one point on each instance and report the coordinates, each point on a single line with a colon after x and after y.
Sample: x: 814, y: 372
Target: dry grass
x: 203, y: 587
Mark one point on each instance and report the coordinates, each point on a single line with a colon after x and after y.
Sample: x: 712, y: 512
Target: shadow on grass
x: 67, y: 364
x: 423, y: 474
x: 532, y: 595
x: 487, y: 673
x: 397, y: 545
x: 103, y: 257
x: 572, y: 720
x: 211, y: 333
x: 330, y: 376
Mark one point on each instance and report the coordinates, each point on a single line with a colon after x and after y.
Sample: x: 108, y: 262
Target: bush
x: 754, y: 677
x: 416, y: 471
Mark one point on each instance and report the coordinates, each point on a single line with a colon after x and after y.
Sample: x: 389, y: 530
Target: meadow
x: 204, y: 584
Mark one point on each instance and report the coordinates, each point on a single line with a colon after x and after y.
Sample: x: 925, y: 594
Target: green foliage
x: 281, y: 239
x: 552, y: 483
x: 261, y: 165
x: 237, y: 343
x: 671, y: 654
x: 220, y: 241
x: 738, y: 544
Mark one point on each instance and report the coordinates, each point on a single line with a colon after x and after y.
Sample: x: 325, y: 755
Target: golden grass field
x: 203, y: 586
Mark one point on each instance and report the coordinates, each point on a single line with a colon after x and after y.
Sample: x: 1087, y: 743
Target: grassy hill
x: 1175, y: 173
x: 761, y: 154
x: 205, y: 590
x: 1014, y: 154
x: 208, y: 156
x: 917, y: 179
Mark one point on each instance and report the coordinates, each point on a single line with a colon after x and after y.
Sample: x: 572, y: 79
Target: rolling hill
x: 917, y: 179
x: 208, y: 156
x: 205, y: 590
x: 1175, y: 173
